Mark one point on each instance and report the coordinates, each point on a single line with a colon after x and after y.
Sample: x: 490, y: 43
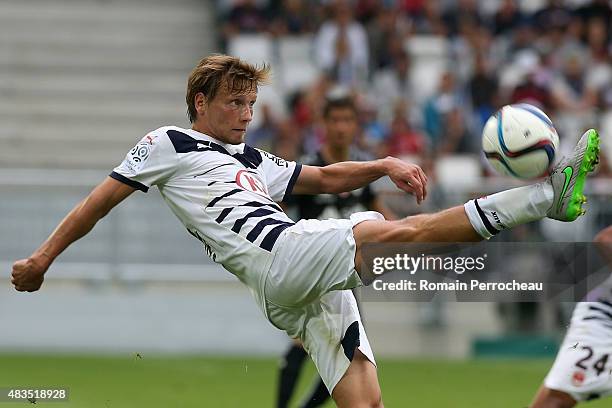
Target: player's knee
x: 376, y: 401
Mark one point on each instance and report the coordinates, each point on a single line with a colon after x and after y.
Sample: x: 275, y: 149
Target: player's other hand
x: 28, y: 274
x: 407, y: 177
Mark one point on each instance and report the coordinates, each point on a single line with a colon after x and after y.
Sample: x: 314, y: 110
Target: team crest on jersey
x: 249, y: 181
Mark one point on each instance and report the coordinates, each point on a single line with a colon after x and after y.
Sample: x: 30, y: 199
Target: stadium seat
x: 458, y: 172
x: 296, y: 63
x: 429, y: 60
x: 254, y: 48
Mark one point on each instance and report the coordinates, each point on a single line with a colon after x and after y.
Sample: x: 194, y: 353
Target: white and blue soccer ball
x: 520, y: 141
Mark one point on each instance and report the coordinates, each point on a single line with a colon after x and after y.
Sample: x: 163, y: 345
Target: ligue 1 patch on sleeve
x: 138, y: 155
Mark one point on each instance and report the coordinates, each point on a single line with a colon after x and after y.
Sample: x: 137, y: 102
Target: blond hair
x: 215, y: 70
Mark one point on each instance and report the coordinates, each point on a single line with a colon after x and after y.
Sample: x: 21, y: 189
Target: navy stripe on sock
x: 485, y: 220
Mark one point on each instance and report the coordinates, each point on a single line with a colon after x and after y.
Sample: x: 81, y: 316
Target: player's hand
x: 407, y: 177
x: 28, y: 274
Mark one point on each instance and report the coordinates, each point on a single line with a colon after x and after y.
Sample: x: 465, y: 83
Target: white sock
x: 491, y: 214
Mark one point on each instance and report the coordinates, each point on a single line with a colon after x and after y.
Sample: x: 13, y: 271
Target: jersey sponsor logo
x: 248, y: 181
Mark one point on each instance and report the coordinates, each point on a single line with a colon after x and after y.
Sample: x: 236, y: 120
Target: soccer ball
x: 520, y: 141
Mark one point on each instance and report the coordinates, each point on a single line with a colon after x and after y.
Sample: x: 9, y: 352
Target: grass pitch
x: 142, y: 380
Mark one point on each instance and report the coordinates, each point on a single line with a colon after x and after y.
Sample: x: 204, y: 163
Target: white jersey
x: 224, y: 194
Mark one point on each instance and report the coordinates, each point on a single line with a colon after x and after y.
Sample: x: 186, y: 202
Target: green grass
x: 201, y: 381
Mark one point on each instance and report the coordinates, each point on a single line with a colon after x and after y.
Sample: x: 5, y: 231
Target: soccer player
x: 224, y: 193
x: 582, y: 370
x: 340, y: 117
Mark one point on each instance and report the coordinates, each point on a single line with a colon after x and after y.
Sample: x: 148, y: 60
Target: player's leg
x: 547, y: 398
x: 359, y: 386
x: 559, y: 197
x: 289, y: 372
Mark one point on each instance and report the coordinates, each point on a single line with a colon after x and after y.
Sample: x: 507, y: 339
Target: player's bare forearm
x: 28, y: 273
x: 347, y: 176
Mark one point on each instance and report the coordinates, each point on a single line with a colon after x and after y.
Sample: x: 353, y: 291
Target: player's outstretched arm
x: 28, y: 274
x: 347, y: 176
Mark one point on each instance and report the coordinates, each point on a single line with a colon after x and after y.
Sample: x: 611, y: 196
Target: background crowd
x: 428, y: 74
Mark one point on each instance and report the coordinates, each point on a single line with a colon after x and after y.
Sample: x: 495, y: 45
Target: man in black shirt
x: 341, y: 127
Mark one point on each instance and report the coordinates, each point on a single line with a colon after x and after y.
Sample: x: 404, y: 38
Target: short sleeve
x: 280, y: 175
x: 151, y: 162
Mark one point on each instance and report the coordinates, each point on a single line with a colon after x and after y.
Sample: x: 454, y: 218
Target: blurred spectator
x: 599, y: 9
x: 341, y: 47
x: 456, y: 137
x: 403, y: 138
x: 598, y: 59
x: 245, y: 16
x: 570, y: 90
x: 533, y: 85
x: 428, y: 19
x: 265, y: 135
x: 574, y: 100
x: 483, y: 90
x: 464, y: 13
x: 560, y: 41
x: 367, y: 10
x: 386, y: 36
x: 520, y: 39
x: 552, y: 16
x: 295, y: 17
x: 508, y: 17
x: 374, y: 135
x: 446, y: 99
x: 391, y: 85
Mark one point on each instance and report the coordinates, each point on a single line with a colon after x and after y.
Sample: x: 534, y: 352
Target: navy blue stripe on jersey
x: 258, y: 204
x: 605, y: 302
x: 131, y: 183
x: 221, y: 197
x: 223, y: 214
x: 604, y: 312
x: 485, y: 220
x: 260, y: 212
x: 258, y: 228
x: 250, y: 158
x: 228, y: 210
x: 214, y: 168
x: 270, y: 239
x: 292, y: 180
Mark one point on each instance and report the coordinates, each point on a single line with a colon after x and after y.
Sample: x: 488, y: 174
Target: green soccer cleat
x: 568, y: 177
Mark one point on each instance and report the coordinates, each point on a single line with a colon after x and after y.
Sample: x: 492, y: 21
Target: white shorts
x: 307, y: 292
x: 583, y: 367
